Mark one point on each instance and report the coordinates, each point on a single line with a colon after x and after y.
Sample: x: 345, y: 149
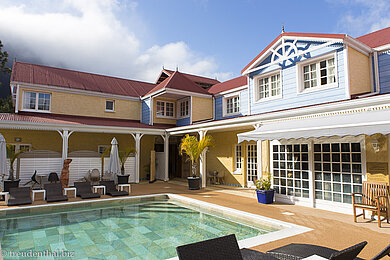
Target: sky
x: 135, y: 39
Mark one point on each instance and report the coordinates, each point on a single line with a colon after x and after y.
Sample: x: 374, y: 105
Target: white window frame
x: 268, y: 75
x: 102, y: 148
x: 179, y: 108
x: 113, y: 106
x: 301, y: 89
x: 236, y: 159
x: 36, y: 102
x: 165, y: 109
x: 224, y: 103
x: 18, y: 145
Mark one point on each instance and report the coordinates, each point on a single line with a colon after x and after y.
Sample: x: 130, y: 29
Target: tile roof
x: 377, y: 38
x: 310, y: 35
x: 76, y: 120
x: 50, y: 76
x: 195, y: 78
x: 180, y: 82
x: 228, y: 85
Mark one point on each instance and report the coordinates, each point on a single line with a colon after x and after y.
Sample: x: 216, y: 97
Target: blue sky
x: 134, y: 39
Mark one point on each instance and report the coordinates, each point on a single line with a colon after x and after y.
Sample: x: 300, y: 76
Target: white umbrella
x: 114, y: 165
x: 3, y: 157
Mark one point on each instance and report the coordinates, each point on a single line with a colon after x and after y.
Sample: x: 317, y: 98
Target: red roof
x: 180, y: 82
x: 227, y: 85
x: 377, y: 38
x: 310, y: 35
x: 195, y: 78
x: 50, y: 76
x: 76, y: 120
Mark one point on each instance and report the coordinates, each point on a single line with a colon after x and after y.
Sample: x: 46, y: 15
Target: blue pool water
x: 149, y: 230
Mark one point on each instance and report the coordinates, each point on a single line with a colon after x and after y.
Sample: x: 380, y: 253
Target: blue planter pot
x: 265, y: 196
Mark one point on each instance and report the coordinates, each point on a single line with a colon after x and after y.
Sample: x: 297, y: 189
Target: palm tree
x: 194, y: 148
x: 12, y: 155
x: 123, y: 155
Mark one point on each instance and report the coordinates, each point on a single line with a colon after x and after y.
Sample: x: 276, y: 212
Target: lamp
x: 375, y: 145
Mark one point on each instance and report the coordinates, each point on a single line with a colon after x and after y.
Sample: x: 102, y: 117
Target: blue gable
x: 384, y: 72
x: 145, y: 108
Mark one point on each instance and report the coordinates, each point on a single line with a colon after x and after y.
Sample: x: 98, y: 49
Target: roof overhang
x: 6, y: 124
x: 176, y: 92
x: 368, y: 122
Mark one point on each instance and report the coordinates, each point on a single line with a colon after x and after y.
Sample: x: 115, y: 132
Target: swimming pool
x: 148, y: 227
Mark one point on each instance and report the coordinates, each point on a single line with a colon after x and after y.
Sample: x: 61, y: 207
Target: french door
x: 251, y: 164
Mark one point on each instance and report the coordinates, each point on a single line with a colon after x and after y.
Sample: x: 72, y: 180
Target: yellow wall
x: 162, y: 120
x: 377, y: 163
x: 265, y: 158
x: 90, y: 141
x: 359, y: 72
x: 84, y: 105
x: 147, y: 145
x: 221, y: 157
x: 40, y: 140
x: 202, y: 109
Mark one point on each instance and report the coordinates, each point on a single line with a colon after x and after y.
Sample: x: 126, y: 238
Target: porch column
x: 166, y: 155
x: 202, y: 162
x: 137, y: 138
x: 65, y: 142
x: 259, y: 159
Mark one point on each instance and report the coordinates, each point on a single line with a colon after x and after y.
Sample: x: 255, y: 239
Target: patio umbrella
x: 3, y: 158
x: 114, y: 165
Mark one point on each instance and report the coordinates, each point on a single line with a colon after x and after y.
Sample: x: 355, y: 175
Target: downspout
x: 17, y: 99
x: 376, y: 78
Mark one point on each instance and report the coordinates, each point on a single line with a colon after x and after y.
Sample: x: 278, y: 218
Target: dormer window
x: 231, y: 105
x: 34, y: 101
x: 318, y: 74
x: 110, y: 106
x: 268, y: 87
x: 184, y: 108
x: 164, y: 109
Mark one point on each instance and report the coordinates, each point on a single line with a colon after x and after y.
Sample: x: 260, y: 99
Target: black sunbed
x: 111, y: 189
x: 83, y: 190
x: 19, y: 196
x: 54, y: 192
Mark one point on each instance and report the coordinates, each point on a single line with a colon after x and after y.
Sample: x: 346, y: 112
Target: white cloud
x: 372, y: 15
x: 86, y: 35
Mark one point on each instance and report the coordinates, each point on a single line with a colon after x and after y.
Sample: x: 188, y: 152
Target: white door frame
x: 254, y: 167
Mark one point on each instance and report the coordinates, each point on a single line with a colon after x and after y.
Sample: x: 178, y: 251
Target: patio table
x: 41, y: 176
x: 5, y: 194
x: 96, y: 187
x: 122, y: 186
x: 70, y: 189
x: 38, y: 191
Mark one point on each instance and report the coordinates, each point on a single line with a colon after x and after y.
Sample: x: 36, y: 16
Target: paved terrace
x: 330, y: 229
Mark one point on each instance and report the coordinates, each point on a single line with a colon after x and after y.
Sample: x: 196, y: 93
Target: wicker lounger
x: 83, y: 190
x: 299, y: 251
x: 54, y: 192
x: 225, y: 248
x: 19, y: 196
x: 111, y: 189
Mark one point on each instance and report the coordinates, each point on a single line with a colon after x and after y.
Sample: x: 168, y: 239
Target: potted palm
x: 264, y: 192
x: 12, y: 155
x: 123, y: 155
x: 194, y: 148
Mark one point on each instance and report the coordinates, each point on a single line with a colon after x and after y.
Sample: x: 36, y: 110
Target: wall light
x: 375, y: 145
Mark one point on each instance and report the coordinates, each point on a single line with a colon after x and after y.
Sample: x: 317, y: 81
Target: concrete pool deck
x: 330, y: 229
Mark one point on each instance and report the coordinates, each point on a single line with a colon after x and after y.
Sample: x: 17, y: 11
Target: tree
x: 194, y: 148
x: 6, y: 105
x: 3, y: 60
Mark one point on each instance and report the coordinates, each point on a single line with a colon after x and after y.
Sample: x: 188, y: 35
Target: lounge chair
x: 383, y: 253
x: 19, y: 196
x: 83, y: 190
x: 111, y: 189
x: 54, y: 192
x: 300, y: 251
x: 225, y: 247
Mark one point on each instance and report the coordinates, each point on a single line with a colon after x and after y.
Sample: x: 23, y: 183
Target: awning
x: 344, y: 123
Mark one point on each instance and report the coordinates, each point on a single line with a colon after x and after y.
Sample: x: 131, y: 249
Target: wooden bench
x: 374, y: 197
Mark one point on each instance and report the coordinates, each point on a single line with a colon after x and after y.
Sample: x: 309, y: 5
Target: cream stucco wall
x: 202, y: 109
x: 87, y: 105
x: 359, y: 72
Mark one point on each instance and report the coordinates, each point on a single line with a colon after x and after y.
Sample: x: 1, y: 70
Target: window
x: 20, y: 147
x: 268, y: 87
x: 110, y: 105
x: 237, y: 158
x: 165, y: 109
x: 233, y: 105
x: 36, y: 101
x: 317, y: 74
x: 184, y: 108
x: 338, y: 171
x: 102, y: 148
x: 291, y: 169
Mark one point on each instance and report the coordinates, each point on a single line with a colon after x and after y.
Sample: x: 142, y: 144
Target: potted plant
x: 194, y: 148
x: 123, y: 155
x: 264, y: 192
x: 12, y: 155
